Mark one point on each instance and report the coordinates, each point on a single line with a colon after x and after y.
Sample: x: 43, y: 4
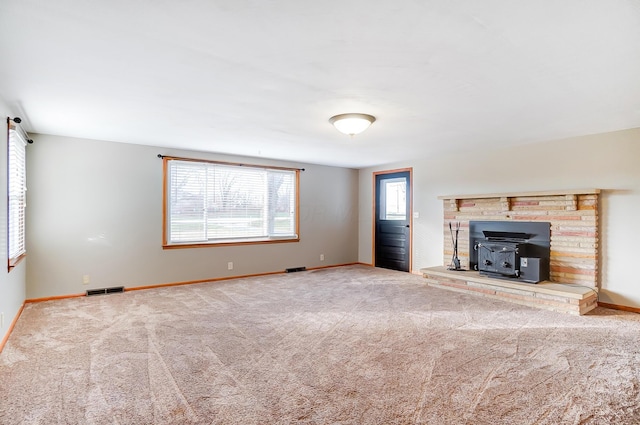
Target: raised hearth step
x: 566, y: 298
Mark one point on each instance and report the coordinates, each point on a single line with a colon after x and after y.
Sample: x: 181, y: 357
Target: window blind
x: 210, y: 202
x: 17, y: 194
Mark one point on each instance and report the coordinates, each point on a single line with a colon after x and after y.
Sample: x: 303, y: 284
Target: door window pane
x: 394, y: 199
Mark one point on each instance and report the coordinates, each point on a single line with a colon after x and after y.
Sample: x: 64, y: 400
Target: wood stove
x: 510, y: 250
x: 500, y: 252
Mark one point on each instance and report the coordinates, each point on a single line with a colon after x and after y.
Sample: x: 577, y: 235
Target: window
x: 209, y: 203
x: 17, y: 195
x: 394, y: 199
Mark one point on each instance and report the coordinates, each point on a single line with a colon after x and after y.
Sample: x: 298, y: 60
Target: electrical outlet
x: 85, y: 279
x: 230, y: 265
x: 321, y: 257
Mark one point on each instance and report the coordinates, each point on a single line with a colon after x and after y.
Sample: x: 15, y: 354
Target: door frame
x: 410, y: 213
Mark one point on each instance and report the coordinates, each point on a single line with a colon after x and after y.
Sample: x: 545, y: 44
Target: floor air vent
x: 296, y: 269
x: 103, y: 291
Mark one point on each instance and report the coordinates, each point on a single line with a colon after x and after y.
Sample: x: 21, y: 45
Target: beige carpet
x: 349, y: 345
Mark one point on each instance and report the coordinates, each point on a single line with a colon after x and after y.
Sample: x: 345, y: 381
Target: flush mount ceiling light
x: 352, y: 124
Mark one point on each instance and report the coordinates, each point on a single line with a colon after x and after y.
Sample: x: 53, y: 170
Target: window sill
x: 13, y: 262
x: 230, y: 243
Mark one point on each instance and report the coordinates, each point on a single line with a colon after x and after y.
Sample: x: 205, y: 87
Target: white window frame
x: 269, y: 232
x: 16, y: 195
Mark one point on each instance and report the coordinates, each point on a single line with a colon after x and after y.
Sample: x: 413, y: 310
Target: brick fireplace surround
x: 573, y: 215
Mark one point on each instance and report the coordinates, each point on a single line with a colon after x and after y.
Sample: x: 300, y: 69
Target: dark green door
x: 393, y: 220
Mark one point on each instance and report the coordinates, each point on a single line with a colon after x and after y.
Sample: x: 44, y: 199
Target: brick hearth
x: 565, y: 298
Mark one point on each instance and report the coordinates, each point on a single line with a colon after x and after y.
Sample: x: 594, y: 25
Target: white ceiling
x: 262, y: 77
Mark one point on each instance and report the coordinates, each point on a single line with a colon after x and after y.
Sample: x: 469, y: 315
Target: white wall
x: 94, y: 208
x: 12, y: 285
x: 609, y: 162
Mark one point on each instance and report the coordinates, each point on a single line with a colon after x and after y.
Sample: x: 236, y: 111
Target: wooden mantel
x: 524, y: 194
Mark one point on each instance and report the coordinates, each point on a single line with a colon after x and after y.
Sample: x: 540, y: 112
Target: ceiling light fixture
x: 352, y: 124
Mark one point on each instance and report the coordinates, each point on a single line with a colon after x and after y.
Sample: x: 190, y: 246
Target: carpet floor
x: 346, y: 345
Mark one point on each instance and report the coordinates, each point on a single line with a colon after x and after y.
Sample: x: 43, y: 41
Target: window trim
x: 12, y: 262
x: 165, y: 210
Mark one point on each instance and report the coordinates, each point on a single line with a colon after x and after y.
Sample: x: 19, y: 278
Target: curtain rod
x: 228, y: 163
x: 17, y: 121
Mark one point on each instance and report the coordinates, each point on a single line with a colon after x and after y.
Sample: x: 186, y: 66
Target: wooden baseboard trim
x: 334, y: 266
x: 188, y: 282
x: 56, y: 297
x: 191, y: 282
x: 218, y: 279
x: 619, y: 307
x: 416, y: 272
x: 11, y: 326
